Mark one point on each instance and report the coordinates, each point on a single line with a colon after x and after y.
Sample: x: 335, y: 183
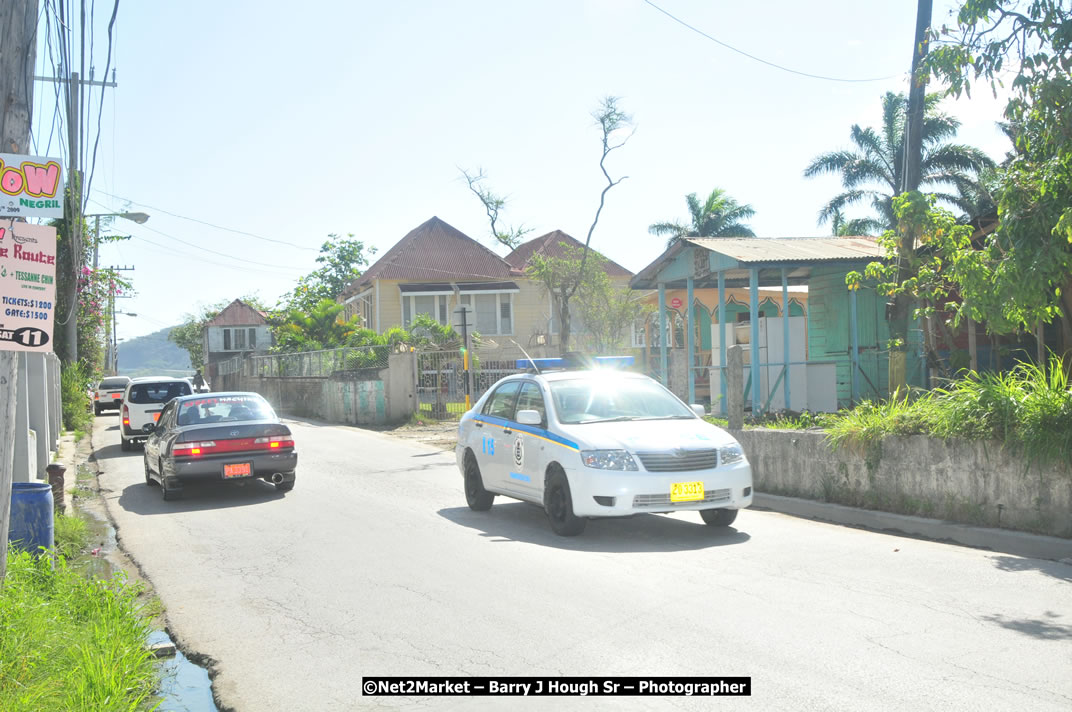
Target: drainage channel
x: 184, y: 685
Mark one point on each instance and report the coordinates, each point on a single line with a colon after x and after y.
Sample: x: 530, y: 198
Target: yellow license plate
x: 241, y: 469
x: 686, y: 492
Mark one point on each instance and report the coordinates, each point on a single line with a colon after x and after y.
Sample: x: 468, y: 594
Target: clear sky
x: 291, y: 122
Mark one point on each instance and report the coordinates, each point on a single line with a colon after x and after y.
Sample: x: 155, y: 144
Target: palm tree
x: 718, y: 216
x: 877, y: 159
x: 843, y: 227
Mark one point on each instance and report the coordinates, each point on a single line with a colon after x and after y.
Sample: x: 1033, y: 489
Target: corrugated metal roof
x: 791, y: 249
x: 238, y: 313
x: 433, y: 252
x: 550, y: 245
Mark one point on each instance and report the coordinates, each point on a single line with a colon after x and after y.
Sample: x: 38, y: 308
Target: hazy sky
x: 291, y: 122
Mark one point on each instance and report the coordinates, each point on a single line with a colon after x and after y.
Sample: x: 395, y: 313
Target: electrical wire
x: 763, y: 61
x: 208, y: 224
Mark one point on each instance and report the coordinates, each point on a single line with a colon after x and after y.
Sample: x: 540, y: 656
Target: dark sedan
x: 216, y: 438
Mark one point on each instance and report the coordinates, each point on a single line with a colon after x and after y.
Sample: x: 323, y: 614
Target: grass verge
x: 71, y: 643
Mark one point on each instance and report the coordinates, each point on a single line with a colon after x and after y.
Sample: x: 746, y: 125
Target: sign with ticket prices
x: 27, y: 286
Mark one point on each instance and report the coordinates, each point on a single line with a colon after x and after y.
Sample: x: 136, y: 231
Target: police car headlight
x: 729, y: 454
x: 608, y: 459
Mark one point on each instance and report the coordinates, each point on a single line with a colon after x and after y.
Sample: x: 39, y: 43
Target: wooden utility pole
x: 910, y: 178
x: 18, y: 53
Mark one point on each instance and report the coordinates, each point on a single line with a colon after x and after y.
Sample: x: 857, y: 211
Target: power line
x: 243, y: 260
x: 208, y: 224
x: 763, y: 61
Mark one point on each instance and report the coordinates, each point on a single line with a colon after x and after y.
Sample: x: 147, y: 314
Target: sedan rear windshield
x: 145, y: 393
x: 114, y: 383
x: 225, y: 409
x: 605, y: 398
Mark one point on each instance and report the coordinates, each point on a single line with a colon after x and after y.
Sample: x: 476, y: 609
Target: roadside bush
x: 1029, y: 409
x: 75, y: 383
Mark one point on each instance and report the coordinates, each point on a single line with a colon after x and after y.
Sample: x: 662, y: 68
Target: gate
x: 441, y: 380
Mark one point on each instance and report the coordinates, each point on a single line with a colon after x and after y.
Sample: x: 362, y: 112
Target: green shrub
x: 75, y: 384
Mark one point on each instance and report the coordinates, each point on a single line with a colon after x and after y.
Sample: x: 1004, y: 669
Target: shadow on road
x: 144, y: 499
x: 1035, y: 627
x: 1051, y: 568
x: 527, y: 523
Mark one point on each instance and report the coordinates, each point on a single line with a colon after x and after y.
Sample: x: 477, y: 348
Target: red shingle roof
x: 550, y: 245
x: 435, y: 252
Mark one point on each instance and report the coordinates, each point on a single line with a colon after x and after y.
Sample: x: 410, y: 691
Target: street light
x: 139, y: 218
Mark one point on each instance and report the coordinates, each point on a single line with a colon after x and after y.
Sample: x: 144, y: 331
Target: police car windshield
x: 601, y: 400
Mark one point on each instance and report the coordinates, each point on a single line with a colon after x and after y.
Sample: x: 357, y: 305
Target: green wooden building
x: 846, y: 330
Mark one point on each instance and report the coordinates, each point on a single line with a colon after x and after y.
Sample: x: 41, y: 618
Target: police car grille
x: 670, y: 462
x: 663, y: 499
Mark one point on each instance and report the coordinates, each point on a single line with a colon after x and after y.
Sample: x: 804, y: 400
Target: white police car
x: 598, y: 443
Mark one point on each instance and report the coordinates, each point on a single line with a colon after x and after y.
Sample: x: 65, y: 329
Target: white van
x: 142, y: 403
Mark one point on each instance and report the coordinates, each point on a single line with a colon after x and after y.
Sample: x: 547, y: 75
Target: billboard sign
x: 30, y: 187
x: 27, y: 286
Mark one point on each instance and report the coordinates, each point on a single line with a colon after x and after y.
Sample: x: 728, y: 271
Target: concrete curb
x: 1003, y: 540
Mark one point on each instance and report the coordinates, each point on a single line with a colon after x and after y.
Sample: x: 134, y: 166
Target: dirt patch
x: 442, y: 435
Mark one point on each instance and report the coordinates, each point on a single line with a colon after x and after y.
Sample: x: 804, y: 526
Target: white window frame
x: 407, y: 295
x: 466, y: 295
x: 363, y: 307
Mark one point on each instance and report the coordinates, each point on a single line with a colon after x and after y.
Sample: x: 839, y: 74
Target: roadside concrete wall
x: 377, y: 398
x: 970, y: 482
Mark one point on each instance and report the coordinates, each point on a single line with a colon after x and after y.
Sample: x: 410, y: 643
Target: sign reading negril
x: 27, y: 286
x: 30, y: 187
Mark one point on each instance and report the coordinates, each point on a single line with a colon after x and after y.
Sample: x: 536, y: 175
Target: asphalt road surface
x: 373, y: 565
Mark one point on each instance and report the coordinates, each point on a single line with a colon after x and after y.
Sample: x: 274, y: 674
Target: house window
x: 252, y: 338
x: 226, y: 339
x: 239, y: 339
x: 434, y: 305
x: 494, y: 311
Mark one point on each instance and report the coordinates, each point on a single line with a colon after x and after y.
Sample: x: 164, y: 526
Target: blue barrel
x: 31, y: 525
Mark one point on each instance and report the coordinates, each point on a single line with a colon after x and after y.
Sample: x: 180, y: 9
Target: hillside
x: 153, y: 355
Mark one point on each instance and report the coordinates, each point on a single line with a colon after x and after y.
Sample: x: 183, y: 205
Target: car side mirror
x: 698, y: 409
x: 529, y: 417
x: 148, y: 427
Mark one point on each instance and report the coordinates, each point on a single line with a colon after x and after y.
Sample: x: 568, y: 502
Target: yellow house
x: 436, y: 267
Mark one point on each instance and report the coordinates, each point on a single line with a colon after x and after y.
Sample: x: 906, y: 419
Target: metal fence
x: 231, y: 365
x: 441, y: 379
x: 358, y: 361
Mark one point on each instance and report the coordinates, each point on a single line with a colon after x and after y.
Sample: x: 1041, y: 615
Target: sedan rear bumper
x: 210, y: 469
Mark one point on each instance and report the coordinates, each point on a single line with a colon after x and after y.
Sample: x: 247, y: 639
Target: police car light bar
x: 547, y: 364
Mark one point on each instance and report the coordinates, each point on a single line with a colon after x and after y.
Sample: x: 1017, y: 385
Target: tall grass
x: 1029, y: 409
x: 71, y: 643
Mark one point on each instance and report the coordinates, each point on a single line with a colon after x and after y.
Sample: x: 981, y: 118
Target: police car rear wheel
x: 718, y: 517
x: 478, y: 498
x: 558, y: 503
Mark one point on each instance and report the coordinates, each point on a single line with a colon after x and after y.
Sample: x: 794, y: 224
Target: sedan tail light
x: 192, y: 449
x: 215, y: 447
x: 274, y: 443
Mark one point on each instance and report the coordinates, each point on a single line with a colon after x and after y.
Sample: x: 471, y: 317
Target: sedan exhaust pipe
x: 277, y: 477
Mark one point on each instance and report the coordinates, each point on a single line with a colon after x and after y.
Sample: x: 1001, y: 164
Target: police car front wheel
x: 558, y: 502
x: 718, y: 517
x: 478, y: 498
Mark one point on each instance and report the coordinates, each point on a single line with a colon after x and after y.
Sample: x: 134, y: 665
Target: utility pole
x: 18, y: 53
x: 73, y: 213
x: 113, y: 346
x: 901, y: 306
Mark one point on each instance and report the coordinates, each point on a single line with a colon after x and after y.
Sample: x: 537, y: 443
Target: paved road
x: 374, y: 565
